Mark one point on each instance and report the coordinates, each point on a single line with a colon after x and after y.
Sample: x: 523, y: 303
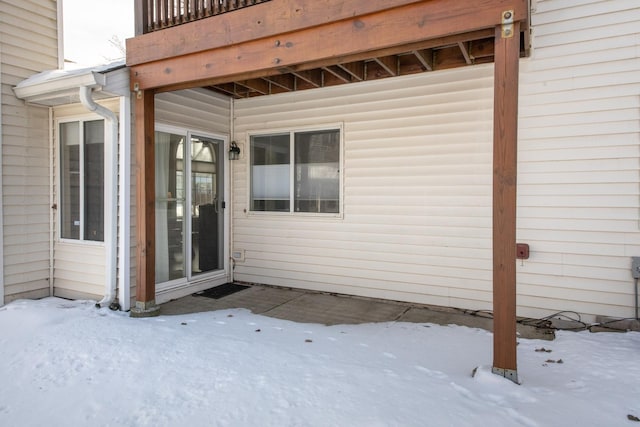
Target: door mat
x: 221, y: 291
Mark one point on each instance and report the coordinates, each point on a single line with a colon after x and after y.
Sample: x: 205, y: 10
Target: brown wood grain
x: 145, y: 197
x: 505, y: 133
x: 391, y: 29
x: 255, y: 22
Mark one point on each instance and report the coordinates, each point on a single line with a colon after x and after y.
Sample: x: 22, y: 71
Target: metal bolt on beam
x: 507, y: 24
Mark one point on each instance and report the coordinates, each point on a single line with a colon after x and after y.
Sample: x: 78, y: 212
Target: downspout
x: 232, y: 266
x: 52, y: 201
x: 110, y: 192
x: 124, y: 206
x: 60, y: 29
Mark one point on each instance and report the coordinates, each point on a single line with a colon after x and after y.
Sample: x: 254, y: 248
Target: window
x: 296, y: 172
x: 82, y: 180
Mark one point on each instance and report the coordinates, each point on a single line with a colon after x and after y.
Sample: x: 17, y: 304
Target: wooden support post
x: 145, y: 201
x: 505, y: 132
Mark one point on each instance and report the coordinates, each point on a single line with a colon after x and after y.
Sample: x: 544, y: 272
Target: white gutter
x: 110, y: 191
x: 43, y: 86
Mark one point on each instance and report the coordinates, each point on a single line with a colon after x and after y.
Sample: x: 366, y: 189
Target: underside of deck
x: 281, y: 46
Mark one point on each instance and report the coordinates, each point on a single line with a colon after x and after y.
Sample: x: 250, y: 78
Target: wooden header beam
x: 250, y: 23
x: 410, y: 23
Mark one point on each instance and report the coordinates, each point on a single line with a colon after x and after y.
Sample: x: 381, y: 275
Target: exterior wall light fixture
x: 234, y: 151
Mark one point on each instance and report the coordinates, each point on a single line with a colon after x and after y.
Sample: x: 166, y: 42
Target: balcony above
x: 154, y: 15
x: 246, y: 48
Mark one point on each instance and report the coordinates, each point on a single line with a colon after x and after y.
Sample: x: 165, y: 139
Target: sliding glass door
x: 189, y: 217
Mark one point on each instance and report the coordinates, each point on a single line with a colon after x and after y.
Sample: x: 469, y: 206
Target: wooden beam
x: 338, y: 72
x: 256, y: 85
x: 505, y: 134
x: 482, y: 49
x: 465, y: 53
x: 329, y: 79
x: 145, y: 202
x: 355, y: 69
x: 256, y: 22
x: 228, y: 88
x: 313, y: 77
x: 285, y: 81
x: 354, y: 64
x: 409, y: 64
x: 392, y: 29
x: 396, y: 50
x: 240, y: 90
x: 425, y: 57
x: 448, y: 57
x: 389, y: 64
x: 373, y: 71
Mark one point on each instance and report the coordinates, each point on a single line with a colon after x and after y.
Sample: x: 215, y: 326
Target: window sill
x: 307, y: 216
x: 73, y: 242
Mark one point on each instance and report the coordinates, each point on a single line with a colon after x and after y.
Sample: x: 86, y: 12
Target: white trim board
x: 1, y: 195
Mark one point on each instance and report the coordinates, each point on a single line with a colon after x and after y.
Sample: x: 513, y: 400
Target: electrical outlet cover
x: 635, y: 267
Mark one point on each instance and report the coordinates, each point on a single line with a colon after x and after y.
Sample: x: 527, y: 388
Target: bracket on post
x: 509, y: 374
x: 507, y: 24
x: 136, y: 89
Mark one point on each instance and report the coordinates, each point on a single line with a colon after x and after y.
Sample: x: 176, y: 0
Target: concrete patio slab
x: 337, y: 309
x: 257, y: 299
x: 446, y: 316
x: 331, y: 309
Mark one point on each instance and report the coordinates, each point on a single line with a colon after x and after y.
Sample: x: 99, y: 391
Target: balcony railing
x: 153, y: 15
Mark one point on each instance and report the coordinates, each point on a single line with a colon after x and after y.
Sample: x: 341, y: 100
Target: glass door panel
x: 206, y: 206
x: 170, y: 206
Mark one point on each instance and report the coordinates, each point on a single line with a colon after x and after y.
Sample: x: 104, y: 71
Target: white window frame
x: 58, y: 182
x: 292, y: 131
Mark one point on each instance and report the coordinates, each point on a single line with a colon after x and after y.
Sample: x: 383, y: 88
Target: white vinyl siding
x: 417, y: 192
x: 417, y: 177
x: 195, y: 109
x: 79, y: 270
x: 578, y: 180
x: 28, y: 37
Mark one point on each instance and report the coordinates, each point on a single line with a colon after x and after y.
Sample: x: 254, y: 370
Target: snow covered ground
x: 67, y: 363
